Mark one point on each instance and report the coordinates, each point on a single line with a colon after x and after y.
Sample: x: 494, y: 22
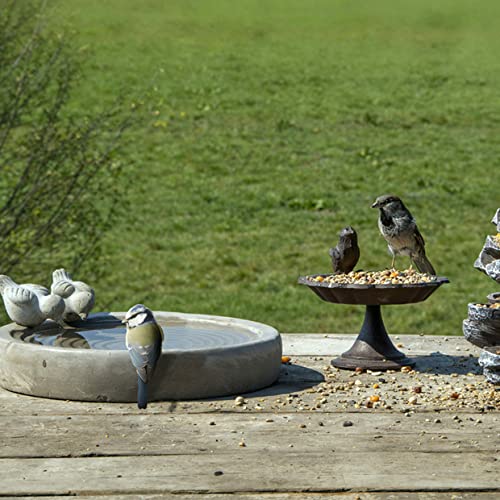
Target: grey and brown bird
x: 400, y: 230
x: 345, y: 255
x: 143, y: 339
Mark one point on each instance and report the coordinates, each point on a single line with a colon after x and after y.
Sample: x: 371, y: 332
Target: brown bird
x: 346, y: 254
x: 400, y: 230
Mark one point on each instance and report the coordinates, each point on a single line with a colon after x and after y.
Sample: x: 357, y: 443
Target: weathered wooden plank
x: 384, y: 495
x: 319, y: 344
x: 115, y: 449
x: 247, y: 471
x: 303, y: 377
x: 86, y: 435
x: 294, y: 378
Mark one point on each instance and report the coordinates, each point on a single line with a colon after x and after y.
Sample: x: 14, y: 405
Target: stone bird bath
x: 203, y: 356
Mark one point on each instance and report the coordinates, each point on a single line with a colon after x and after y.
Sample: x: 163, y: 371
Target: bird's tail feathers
x: 5, y: 282
x: 142, y: 394
x: 423, y: 265
x: 60, y: 275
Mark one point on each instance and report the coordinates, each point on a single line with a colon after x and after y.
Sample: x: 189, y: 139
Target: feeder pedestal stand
x: 373, y: 349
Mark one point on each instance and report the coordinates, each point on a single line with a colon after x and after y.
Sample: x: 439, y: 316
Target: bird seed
x: 386, y: 277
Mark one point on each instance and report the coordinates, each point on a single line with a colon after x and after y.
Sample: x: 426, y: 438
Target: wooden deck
x: 433, y: 433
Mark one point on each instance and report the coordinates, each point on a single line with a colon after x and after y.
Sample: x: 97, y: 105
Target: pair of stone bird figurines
x: 398, y: 227
x: 67, y: 301
x: 30, y: 305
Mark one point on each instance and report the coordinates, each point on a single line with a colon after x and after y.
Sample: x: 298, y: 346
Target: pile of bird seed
x: 495, y: 305
x: 386, y: 277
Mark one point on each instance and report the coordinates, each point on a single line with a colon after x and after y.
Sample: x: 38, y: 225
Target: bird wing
x: 160, y: 329
x: 36, y: 289
x: 83, y: 287
x: 419, y: 238
x: 336, y: 258
x: 19, y: 295
x: 63, y: 288
x: 144, y: 358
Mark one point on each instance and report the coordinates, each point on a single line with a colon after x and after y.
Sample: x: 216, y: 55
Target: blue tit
x: 143, y: 340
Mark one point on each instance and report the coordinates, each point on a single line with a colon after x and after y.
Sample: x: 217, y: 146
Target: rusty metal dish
x: 372, y: 294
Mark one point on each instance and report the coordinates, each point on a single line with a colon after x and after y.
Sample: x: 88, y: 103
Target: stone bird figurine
x: 143, y: 339
x: 346, y: 254
x: 400, y: 230
x: 79, y: 298
x: 30, y: 305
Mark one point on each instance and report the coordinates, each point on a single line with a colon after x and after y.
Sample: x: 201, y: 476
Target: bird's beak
x: 124, y: 321
x: 83, y: 316
x: 375, y: 205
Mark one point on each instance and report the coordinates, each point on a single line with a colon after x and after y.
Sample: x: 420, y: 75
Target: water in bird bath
x: 178, y: 334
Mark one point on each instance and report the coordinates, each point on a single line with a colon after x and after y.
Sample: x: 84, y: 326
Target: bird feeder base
x: 373, y: 349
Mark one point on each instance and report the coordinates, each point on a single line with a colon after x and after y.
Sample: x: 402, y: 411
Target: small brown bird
x: 346, y: 254
x: 400, y: 230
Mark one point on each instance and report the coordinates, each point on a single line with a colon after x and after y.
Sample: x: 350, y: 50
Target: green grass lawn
x: 277, y: 123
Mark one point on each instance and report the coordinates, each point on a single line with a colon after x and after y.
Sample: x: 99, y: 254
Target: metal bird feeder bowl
x: 202, y: 357
x: 373, y: 349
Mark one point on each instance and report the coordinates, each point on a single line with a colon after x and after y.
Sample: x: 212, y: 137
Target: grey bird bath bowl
x: 203, y: 356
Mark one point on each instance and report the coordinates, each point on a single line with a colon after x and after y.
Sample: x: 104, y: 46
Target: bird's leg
x: 393, y: 259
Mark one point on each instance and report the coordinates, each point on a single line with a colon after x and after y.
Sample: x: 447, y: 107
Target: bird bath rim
x: 96, y: 320
x: 184, y: 373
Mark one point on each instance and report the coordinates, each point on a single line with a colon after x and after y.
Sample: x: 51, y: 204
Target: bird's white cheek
x: 137, y: 320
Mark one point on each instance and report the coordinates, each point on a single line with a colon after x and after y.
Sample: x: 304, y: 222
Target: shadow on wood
x: 446, y: 364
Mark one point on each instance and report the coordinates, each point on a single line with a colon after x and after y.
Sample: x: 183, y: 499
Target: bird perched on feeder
x: 143, y: 340
x: 346, y: 254
x: 400, y: 230
x: 78, y: 297
x: 29, y: 304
